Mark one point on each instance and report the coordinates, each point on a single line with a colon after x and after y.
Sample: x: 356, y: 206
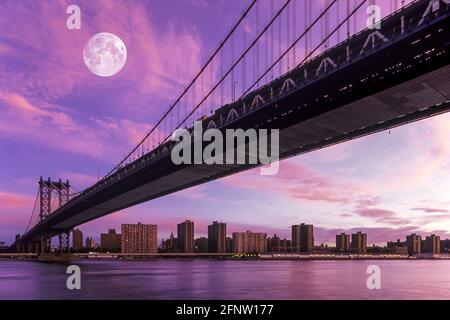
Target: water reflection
x: 210, y: 279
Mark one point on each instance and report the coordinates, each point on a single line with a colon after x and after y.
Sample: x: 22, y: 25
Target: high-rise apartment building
x: 342, y: 242
x: 433, y: 244
x: 185, y: 235
x: 306, y: 238
x: 249, y: 242
x: 414, y: 244
x: 445, y: 246
x: 110, y: 241
x: 139, y: 238
x: 77, y: 239
x: 302, y: 238
x: 229, y: 244
x: 359, y: 242
x: 217, y: 235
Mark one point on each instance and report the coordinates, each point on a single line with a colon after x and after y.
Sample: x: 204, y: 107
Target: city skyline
x: 362, y: 183
x: 283, y: 233
x: 356, y: 242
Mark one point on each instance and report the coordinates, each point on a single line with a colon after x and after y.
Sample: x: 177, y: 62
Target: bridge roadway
x: 373, y: 81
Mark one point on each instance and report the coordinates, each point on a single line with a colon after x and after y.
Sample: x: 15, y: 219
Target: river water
x: 211, y: 279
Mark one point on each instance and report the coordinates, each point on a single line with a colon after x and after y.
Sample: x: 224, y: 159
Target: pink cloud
x: 430, y: 210
x: 431, y: 138
x: 298, y: 182
x: 33, y: 115
x: 14, y: 201
x: 79, y: 181
x: 168, y: 57
x: 95, y: 138
x: 15, y: 210
x: 25, y: 121
x: 375, y: 213
x: 434, y: 218
x: 381, y: 216
x: 160, y: 62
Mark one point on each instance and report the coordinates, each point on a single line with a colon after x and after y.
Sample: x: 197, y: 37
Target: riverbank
x: 216, y: 256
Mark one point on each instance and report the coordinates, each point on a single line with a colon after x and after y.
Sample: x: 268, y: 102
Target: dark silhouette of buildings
x: 295, y: 235
x: 432, y: 244
x: 3, y: 246
x: 229, y: 244
x: 171, y: 244
x: 185, y: 235
x: 306, y: 238
x: 342, y: 242
x: 276, y: 244
x: 414, y: 244
x: 77, y: 239
x: 303, y: 237
x: 445, y: 246
x: 90, y: 243
x: 359, y: 242
x: 201, y: 245
x: 323, y: 248
x: 110, y: 241
x: 397, y: 247
x: 217, y: 234
x: 139, y: 238
x: 398, y: 243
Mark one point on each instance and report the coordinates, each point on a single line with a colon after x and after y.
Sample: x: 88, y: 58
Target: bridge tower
x: 49, y: 189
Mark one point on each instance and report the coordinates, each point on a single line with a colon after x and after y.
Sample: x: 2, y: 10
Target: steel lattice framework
x: 47, y: 189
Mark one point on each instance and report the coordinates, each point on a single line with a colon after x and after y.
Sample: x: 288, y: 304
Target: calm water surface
x: 209, y: 279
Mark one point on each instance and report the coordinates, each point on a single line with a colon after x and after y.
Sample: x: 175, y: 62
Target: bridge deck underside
x: 393, y: 103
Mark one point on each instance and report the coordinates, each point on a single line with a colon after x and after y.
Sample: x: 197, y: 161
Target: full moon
x: 105, y: 54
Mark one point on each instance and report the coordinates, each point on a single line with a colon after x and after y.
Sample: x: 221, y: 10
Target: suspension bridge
x: 321, y: 72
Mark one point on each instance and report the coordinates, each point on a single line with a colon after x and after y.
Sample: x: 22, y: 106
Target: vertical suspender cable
x: 306, y: 7
x: 272, y: 30
x: 294, y: 30
x: 186, y: 89
x: 288, y: 36
x: 244, y: 44
x: 257, y: 44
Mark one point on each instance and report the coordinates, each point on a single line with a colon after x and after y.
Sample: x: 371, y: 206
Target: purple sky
x: 57, y: 119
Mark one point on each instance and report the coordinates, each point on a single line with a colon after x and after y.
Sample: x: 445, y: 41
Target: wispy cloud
x: 298, y: 182
x: 429, y: 210
x: 34, y: 96
x: 14, y: 201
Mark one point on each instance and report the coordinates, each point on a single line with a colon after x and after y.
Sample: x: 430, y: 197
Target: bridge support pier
x: 27, y: 247
x: 30, y: 247
x: 46, y: 242
x: 64, y: 243
x: 21, y: 247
